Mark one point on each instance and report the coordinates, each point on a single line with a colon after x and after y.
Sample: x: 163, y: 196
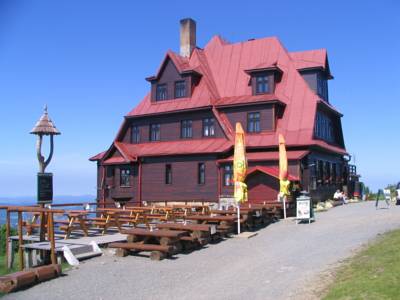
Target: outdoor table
x: 76, y: 217
x: 162, y: 237
x: 200, y: 233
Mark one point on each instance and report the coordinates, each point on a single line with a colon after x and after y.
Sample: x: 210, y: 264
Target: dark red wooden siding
x: 170, y: 126
x: 262, y: 187
x: 184, y: 185
x: 239, y: 114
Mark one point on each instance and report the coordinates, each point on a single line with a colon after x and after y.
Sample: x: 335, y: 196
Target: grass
x: 372, y: 274
x: 3, y: 269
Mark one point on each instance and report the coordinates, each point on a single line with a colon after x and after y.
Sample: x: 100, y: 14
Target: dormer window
x: 262, y: 84
x: 161, y: 92
x: 180, y: 89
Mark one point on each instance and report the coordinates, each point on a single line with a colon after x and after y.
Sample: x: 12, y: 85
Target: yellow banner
x: 239, y: 165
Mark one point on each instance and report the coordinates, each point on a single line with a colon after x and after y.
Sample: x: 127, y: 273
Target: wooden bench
x: 162, y: 237
x: 158, y: 252
x: 200, y: 233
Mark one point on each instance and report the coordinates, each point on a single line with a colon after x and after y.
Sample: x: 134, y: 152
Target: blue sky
x: 88, y: 59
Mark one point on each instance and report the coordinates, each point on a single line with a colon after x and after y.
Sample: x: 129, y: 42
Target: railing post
x: 20, y: 241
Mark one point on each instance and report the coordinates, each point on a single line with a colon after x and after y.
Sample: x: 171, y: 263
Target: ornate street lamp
x: 45, y: 180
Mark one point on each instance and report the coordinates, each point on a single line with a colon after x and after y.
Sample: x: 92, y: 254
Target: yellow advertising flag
x: 239, y: 165
x: 283, y: 167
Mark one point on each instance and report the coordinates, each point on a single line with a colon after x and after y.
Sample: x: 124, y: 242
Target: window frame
x: 264, y: 82
x: 161, y: 94
x: 135, y: 134
x: 168, y: 174
x: 209, y: 125
x: 182, y: 94
x: 154, y: 131
x: 227, y: 176
x: 186, y: 129
x: 201, y: 173
x: 125, y: 177
x: 252, y: 121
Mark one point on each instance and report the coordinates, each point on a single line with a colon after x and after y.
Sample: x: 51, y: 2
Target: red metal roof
x: 273, y: 171
x: 309, y: 59
x: 177, y: 147
x: 98, y: 156
x: 270, y: 155
x: 115, y: 160
x: 224, y: 81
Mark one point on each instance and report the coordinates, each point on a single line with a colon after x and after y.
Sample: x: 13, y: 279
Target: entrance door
x: 262, y: 187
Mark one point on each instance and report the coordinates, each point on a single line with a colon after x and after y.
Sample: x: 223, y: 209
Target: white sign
x: 226, y: 202
x: 303, y: 209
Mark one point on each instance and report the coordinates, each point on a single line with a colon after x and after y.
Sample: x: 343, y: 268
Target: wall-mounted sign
x: 44, y: 188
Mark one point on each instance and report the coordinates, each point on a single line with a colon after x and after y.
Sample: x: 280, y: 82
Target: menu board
x: 44, y: 188
x: 303, y: 209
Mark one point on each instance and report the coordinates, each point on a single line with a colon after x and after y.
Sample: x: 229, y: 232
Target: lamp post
x: 42, y: 128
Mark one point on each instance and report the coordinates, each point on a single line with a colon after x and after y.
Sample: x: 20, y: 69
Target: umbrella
x: 283, y: 173
x: 239, y: 169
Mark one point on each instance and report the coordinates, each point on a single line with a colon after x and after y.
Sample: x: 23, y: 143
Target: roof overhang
x: 272, y: 171
x: 269, y: 156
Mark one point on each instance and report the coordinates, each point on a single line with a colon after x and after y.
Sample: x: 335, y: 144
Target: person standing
x: 398, y: 194
x: 380, y: 192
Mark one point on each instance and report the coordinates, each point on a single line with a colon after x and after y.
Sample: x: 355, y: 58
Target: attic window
x: 180, y: 89
x: 262, y: 84
x: 161, y: 92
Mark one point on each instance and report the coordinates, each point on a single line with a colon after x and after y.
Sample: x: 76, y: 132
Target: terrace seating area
x: 160, y: 230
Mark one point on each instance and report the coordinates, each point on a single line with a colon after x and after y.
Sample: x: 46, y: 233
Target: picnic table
x: 161, y: 242
x: 199, y: 233
x: 76, y: 220
x: 225, y: 224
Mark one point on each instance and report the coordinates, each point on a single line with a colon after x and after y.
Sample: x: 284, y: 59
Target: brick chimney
x: 188, y: 37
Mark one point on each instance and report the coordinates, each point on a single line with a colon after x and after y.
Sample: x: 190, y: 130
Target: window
x: 334, y: 173
x: 262, y: 84
x: 253, y: 122
x: 135, y: 135
x: 324, y: 128
x: 228, y: 175
x: 161, y: 92
x: 201, y: 176
x: 110, y: 171
x: 125, y: 174
x: 320, y: 171
x: 154, y: 132
x: 168, y: 174
x: 208, y: 127
x: 327, y: 172
x: 186, y: 129
x: 180, y: 89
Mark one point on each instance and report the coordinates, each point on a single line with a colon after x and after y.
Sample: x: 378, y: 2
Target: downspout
x: 219, y: 179
x: 103, y: 192
x: 140, y: 182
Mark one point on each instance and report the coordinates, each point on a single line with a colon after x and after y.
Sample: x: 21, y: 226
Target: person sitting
x: 339, y: 196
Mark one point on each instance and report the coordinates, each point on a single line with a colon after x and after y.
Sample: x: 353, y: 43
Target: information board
x: 303, y: 209
x: 44, y: 188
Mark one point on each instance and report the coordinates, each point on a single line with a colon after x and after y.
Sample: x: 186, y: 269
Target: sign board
x: 303, y: 209
x: 226, y: 201
x: 44, y: 188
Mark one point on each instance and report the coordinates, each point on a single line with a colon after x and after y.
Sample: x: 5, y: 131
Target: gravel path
x: 279, y: 263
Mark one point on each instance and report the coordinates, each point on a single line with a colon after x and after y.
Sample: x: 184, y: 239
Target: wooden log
x: 16, y: 281
x: 44, y: 273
